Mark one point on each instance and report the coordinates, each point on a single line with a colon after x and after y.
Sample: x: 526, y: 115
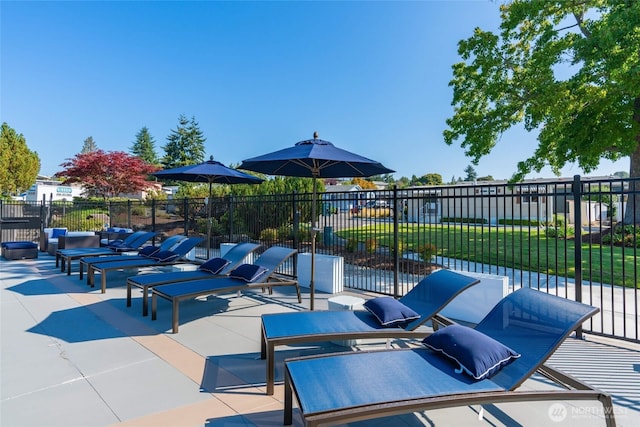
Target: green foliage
x: 623, y: 235
x: 74, y: 223
x: 185, y: 144
x: 89, y: 145
x: 371, y: 245
x: 144, y: 147
x: 463, y: 220
x: 520, y: 222
x: 559, y: 232
x: 269, y: 235
x: 19, y: 166
x: 583, y: 113
x: 472, y: 175
x: 426, y: 251
x: 351, y: 245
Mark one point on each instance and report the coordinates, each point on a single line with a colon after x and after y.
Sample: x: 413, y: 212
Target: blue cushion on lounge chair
x: 248, y: 272
x: 390, y: 312
x: 57, y: 232
x: 148, y: 251
x: 214, y: 265
x: 164, y: 256
x: 477, y: 354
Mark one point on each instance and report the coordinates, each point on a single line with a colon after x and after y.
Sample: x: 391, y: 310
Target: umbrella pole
x: 313, y: 247
x: 209, y: 222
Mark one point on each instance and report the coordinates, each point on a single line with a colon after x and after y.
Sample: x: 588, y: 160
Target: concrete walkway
x: 71, y: 356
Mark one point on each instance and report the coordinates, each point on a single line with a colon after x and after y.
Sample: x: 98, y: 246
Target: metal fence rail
x: 561, y: 236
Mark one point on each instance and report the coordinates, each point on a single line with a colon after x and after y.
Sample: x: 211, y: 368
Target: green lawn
x: 519, y: 248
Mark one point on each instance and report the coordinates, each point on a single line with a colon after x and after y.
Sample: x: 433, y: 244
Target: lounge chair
x: 163, y: 258
x: 131, y: 243
x: 337, y: 389
x: 427, y: 298
x: 143, y: 253
x: 270, y: 260
x: 234, y: 257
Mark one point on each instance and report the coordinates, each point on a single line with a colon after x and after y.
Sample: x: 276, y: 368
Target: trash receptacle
x: 328, y: 236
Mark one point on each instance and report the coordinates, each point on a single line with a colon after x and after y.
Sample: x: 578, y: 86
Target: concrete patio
x: 71, y: 356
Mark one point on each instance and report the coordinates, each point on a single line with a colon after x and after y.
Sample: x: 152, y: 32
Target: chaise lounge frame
x: 271, y: 259
x: 235, y: 256
x: 427, y: 298
x: 533, y: 323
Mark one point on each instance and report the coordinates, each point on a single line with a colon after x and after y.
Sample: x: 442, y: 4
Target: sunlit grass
x: 523, y: 248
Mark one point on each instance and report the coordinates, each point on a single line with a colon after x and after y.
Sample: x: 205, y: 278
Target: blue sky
x: 371, y: 77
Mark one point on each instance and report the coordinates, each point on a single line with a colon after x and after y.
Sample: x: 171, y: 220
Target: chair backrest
x: 534, y: 324
x: 137, y: 239
x: 186, y: 245
x: 271, y: 259
x: 171, y: 241
x: 237, y: 254
x: 434, y: 292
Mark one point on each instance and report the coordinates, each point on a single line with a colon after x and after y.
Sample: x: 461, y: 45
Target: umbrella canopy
x: 314, y: 158
x: 211, y: 172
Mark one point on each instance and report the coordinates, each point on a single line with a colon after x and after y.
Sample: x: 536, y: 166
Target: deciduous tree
x: 19, y: 166
x: 107, y: 174
x: 569, y: 69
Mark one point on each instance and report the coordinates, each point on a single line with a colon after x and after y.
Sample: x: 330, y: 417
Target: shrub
x: 285, y: 232
x: 559, y: 232
x: 351, y: 245
x: 426, y: 251
x: 371, y: 245
x: 401, y: 246
x: 269, y: 234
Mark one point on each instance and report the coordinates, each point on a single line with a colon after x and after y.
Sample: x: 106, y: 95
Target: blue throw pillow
x: 148, y: 251
x: 390, y: 312
x: 165, y: 256
x: 214, y: 265
x: 478, y: 355
x: 57, y: 232
x: 248, y: 272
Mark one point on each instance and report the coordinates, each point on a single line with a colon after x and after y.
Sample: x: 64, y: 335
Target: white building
x: 49, y: 189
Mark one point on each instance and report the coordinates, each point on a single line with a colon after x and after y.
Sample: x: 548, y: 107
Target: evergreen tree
x: 144, y: 147
x: 19, y: 166
x: 185, y: 144
x: 89, y: 146
x: 472, y: 175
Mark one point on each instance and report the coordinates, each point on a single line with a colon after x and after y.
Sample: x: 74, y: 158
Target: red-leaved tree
x: 107, y: 174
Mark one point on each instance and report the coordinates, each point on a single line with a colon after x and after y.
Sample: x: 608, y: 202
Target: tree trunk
x: 632, y: 211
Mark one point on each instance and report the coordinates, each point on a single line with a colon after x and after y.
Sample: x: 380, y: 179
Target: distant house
x: 494, y: 201
x: 345, y: 197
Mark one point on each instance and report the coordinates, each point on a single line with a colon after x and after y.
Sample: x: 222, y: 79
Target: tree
x: 567, y: 68
x: 19, y: 166
x: 89, y: 145
x: 107, y: 174
x: 365, y: 184
x: 144, y: 147
x: 472, y: 175
x: 185, y: 144
x: 486, y: 178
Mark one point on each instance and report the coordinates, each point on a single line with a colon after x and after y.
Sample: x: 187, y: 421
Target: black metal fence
x: 561, y: 236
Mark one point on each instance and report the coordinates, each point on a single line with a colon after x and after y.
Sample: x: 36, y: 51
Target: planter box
x: 474, y: 303
x: 329, y: 272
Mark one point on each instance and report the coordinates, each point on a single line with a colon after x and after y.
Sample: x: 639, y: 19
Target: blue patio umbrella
x: 211, y: 172
x: 314, y: 158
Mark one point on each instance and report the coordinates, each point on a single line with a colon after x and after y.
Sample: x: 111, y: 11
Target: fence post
x: 396, y: 251
x: 577, y: 222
